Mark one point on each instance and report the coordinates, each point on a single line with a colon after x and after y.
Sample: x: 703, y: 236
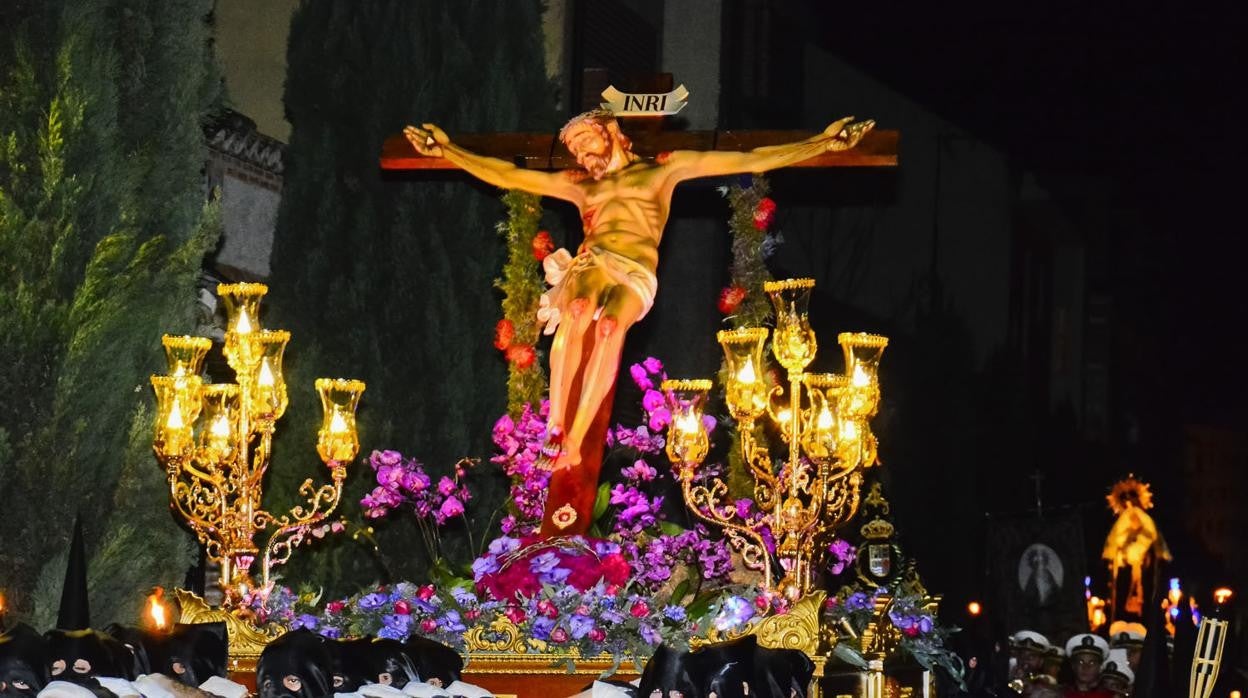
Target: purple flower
x: 640, y: 471
x: 659, y: 419
x: 451, y: 622
x: 542, y: 627
x: 401, y: 624
x: 330, y: 632
x: 372, y: 601
x: 653, y: 365
x: 605, y: 547
x: 543, y: 563
x: 486, y: 564
x: 451, y: 506
x: 446, y: 486
x: 709, y: 423
x: 675, y: 613
x: 638, y: 372
x: 379, y: 458
x: 649, y: 634
x: 734, y: 613
x: 842, y: 555
x: 580, y: 625
x: 304, y: 620
x: 858, y: 601
x: 652, y: 400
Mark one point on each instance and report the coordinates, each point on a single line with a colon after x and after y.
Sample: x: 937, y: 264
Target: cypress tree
x: 389, y: 279
x: 102, y: 233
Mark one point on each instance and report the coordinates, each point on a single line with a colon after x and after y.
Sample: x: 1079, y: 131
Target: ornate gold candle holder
x: 215, y: 442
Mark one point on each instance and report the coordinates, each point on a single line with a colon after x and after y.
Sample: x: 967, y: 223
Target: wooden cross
x: 543, y: 151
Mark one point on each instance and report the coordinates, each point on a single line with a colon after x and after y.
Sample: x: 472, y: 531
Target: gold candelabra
x: 215, y: 442
x: 823, y: 419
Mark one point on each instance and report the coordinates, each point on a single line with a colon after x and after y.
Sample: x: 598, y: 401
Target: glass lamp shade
x: 242, y: 311
x: 178, y: 402
x: 687, y: 440
x: 185, y: 354
x: 862, y: 365
x: 337, y: 441
x: 268, y: 386
x: 821, y: 430
x: 793, y: 342
x: 745, y: 391
x: 218, y: 434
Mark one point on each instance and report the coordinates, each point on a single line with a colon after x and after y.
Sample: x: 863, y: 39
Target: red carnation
x: 521, y: 355
x: 763, y: 213
x: 504, y: 332
x: 426, y: 592
x: 639, y: 609
x: 730, y: 298
x: 402, y: 607
x: 542, y: 245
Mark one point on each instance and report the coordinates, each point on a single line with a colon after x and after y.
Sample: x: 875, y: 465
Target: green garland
x: 751, y: 218
x: 744, y: 303
x: 522, y: 285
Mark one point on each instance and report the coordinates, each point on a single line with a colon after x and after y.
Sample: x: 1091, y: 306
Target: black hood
x: 781, y: 673
x: 23, y: 662
x: 74, y: 613
x: 295, y: 665
x: 725, y: 668
x: 195, y: 652
x: 143, y: 649
x: 667, y: 670
x: 351, y: 666
x: 434, y: 660
x: 393, y: 667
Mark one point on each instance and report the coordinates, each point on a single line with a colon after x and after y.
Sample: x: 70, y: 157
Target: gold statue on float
x: 610, y: 284
x: 1133, y: 541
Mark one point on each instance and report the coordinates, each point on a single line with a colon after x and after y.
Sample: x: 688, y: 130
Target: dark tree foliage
x: 102, y: 233
x: 386, y: 278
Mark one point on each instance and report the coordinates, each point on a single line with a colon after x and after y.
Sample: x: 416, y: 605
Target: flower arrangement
x: 910, y: 612
x: 403, y: 484
x: 516, y: 334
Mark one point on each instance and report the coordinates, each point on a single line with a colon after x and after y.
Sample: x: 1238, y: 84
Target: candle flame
x: 824, y: 421
x: 861, y: 378
x: 688, y: 423
x: 338, y: 425
x: 746, y: 374
x: 175, y: 420
x: 243, y: 326
x: 156, y: 610
x: 220, y: 427
x: 784, y: 416
x: 1222, y: 595
x: 974, y: 608
x: 266, y: 378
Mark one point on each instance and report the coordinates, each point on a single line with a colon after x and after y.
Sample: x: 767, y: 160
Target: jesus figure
x: 610, y: 284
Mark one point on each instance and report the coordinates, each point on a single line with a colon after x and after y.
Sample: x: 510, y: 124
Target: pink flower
x: 446, y: 486
x: 653, y: 365
x: 451, y: 507
x: 547, y: 608
x: 402, y: 608
x: 652, y: 400
x: 428, y: 625
x: 639, y: 610
x: 559, y: 635
x: 335, y: 606
x: 597, y: 635
x: 426, y: 592
x: 515, y: 614
x: 640, y: 377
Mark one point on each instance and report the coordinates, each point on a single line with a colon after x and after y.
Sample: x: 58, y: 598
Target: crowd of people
x: 1085, y: 666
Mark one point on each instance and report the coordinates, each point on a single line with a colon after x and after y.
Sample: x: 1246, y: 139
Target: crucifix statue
x: 596, y: 295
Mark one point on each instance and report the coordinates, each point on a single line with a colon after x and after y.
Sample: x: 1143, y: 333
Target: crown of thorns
x: 597, y: 116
